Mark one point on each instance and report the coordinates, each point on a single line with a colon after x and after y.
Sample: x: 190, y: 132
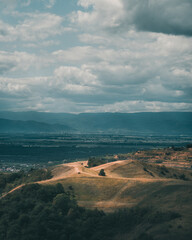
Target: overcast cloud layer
x: 96, y: 55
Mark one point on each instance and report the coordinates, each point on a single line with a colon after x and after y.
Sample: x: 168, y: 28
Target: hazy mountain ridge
x: 128, y: 123
x: 18, y: 126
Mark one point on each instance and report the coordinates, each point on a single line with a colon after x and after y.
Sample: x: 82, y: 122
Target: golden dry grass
x: 127, y: 182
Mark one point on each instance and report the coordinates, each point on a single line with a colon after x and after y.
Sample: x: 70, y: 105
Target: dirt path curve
x: 14, y: 189
x: 73, y: 169
x: 106, y: 165
x: 70, y: 169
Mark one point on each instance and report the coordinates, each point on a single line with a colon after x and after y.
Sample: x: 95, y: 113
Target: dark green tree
x: 102, y: 172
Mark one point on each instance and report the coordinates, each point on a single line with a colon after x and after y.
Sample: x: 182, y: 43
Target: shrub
x: 183, y: 177
x: 102, y: 172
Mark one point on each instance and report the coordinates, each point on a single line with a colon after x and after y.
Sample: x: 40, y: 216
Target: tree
x: 102, y: 172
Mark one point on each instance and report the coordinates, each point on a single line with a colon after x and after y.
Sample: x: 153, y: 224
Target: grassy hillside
x: 50, y: 212
x: 134, y: 168
x: 157, y: 200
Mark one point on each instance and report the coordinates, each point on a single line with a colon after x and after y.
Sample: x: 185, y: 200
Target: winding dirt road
x: 79, y: 169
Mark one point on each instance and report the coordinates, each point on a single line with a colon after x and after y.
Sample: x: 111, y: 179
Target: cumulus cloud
x: 167, y: 16
x: 49, y: 3
x: 75, y: 75
x: 6, y: 32
x: 35, y: 27
x: 16, y: 61
x: 10, y: 5
x: 141, y: 106
x: 23, y: 87
x: 74, y: 80
x: 10, y: 87
x: 40, y: 26
x: 85, y: 54
x: 114, y: 55
x: 105, y: 14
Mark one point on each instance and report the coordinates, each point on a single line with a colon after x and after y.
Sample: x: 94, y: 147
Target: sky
x: 96, y: 55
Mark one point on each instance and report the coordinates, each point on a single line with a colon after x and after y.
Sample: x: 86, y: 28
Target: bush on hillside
x: 102, y: 172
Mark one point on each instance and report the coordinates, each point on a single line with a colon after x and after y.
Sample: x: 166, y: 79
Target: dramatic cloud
x: 167, y: 16
x: 96, y: 55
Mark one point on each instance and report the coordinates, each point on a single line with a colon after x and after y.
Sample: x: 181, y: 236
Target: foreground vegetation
x: 141, y: 199
x: 10, y: 180
x: 50, y: 212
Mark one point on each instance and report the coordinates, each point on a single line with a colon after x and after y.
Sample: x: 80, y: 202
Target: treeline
x: 96, y: 161
x: 10, y: 180
x: 50, y: 212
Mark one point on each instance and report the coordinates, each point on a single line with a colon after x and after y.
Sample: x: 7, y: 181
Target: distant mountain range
x: 17, y: 126
x: 166, y: 123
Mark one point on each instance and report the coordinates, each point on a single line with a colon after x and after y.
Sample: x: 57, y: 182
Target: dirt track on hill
x: 69, y: 170
x: 79, y: 170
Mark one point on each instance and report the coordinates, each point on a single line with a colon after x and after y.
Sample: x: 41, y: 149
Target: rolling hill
x: 131, y: 183
x: 165, y: 191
